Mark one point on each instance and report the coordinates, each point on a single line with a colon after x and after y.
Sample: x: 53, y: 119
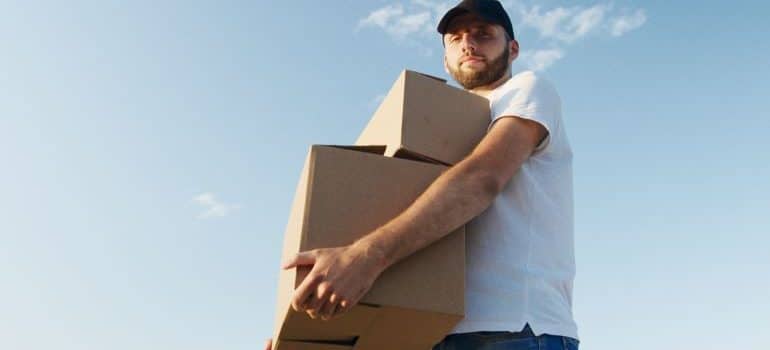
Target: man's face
x: 477, y: 53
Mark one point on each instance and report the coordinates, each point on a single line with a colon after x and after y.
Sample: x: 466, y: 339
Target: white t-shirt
x: 520, y: 250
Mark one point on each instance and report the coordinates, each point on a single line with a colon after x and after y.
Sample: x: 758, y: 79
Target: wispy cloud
x: 382, y: 17
x: 569, y: 24
x: 623, y: 24
x: 413, y: 23
x: 439, y: 8
x: 212, y: 207
x: 560, y: 27
x: 417, y: 18
x: 539, y: 60
x: 563, y: 24
x: 395, y: 21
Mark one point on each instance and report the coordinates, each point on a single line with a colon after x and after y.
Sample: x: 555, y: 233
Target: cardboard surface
x: 406, y: 329
x: 425, y: 117
x: 343, y: 194
x: 301, y: 345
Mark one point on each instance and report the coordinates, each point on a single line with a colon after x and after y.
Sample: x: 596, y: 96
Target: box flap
x: 374, y: 149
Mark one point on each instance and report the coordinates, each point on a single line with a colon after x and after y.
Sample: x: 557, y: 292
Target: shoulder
x: 526, y: 86
x: 525, y: 77
x: 526, y: 83
x: 529, y: 80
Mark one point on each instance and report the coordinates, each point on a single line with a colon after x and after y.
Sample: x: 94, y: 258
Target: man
x: 514, y: 191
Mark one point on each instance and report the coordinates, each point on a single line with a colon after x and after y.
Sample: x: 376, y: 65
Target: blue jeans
x: 524, y: 340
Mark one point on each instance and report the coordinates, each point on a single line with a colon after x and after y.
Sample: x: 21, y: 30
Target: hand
x: 339, y: 278
x: 269, y: 344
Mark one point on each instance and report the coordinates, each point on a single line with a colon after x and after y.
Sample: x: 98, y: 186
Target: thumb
x: 300, y: 259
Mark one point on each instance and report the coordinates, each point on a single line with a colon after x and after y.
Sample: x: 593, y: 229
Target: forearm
x: 455, y: 197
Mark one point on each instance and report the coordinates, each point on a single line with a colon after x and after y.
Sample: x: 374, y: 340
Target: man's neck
x: 486, y: 90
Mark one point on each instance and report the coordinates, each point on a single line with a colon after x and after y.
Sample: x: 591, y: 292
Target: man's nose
x: 468, y: 44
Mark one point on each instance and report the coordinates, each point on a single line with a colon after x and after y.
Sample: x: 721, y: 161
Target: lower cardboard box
x: 345, y: 192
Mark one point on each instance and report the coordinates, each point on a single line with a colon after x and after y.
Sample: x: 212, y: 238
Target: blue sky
x: 150, y: 153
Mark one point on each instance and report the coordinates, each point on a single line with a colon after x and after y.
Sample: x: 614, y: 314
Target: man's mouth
x: 471, y: 59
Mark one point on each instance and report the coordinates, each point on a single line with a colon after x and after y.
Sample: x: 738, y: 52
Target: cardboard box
x: 343, y: 194
x: 424, y: 118
x: 302, y: 345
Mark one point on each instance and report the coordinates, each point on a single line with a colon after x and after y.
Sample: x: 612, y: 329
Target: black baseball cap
x: 489, y: 10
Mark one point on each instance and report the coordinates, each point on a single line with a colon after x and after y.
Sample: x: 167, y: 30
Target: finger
x: 303, y: 305
x: 329, y: 308
x: 269, y: 344
x: 305, y: 290
x: 312, y: 313
x: 334, y: 301
x: 299, y: 259
x: 345, y: 305
x: 322, y: 294
x: 340, y: 310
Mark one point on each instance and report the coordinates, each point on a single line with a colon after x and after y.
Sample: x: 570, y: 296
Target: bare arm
x: 459, y: 194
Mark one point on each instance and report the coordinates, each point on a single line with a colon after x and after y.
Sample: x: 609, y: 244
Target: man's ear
x: 514, y: 47
x: 446, y: 66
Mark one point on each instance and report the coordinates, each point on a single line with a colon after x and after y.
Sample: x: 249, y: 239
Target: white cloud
x: 587, y: 20
x: 382, y: 17
x: 212, y: 207
x: 420, y: 17
x: 395, y: 21
x: 413, y: 23
x: 410, y: 24
x: 539, y: 60
x: 569, y: 24
x: 439, y: 8
x: 564, y: 24
x: 623, y: 24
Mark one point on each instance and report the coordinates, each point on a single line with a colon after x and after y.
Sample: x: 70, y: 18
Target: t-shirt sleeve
x: 530, y: 98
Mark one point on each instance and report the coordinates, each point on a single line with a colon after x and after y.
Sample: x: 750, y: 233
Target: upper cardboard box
x: 343, y: 194
x: 423, y: 117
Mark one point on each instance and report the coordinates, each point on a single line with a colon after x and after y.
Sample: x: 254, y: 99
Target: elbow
x: 485, y: 184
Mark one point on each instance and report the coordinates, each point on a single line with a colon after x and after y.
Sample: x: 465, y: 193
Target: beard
x: 496, y: 69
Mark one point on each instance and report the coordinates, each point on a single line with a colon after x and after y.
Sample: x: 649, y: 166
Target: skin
x: 470, y: 47
x: 340, y: 276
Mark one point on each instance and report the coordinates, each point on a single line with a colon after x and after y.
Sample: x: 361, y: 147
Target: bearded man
x: 514, y: 191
